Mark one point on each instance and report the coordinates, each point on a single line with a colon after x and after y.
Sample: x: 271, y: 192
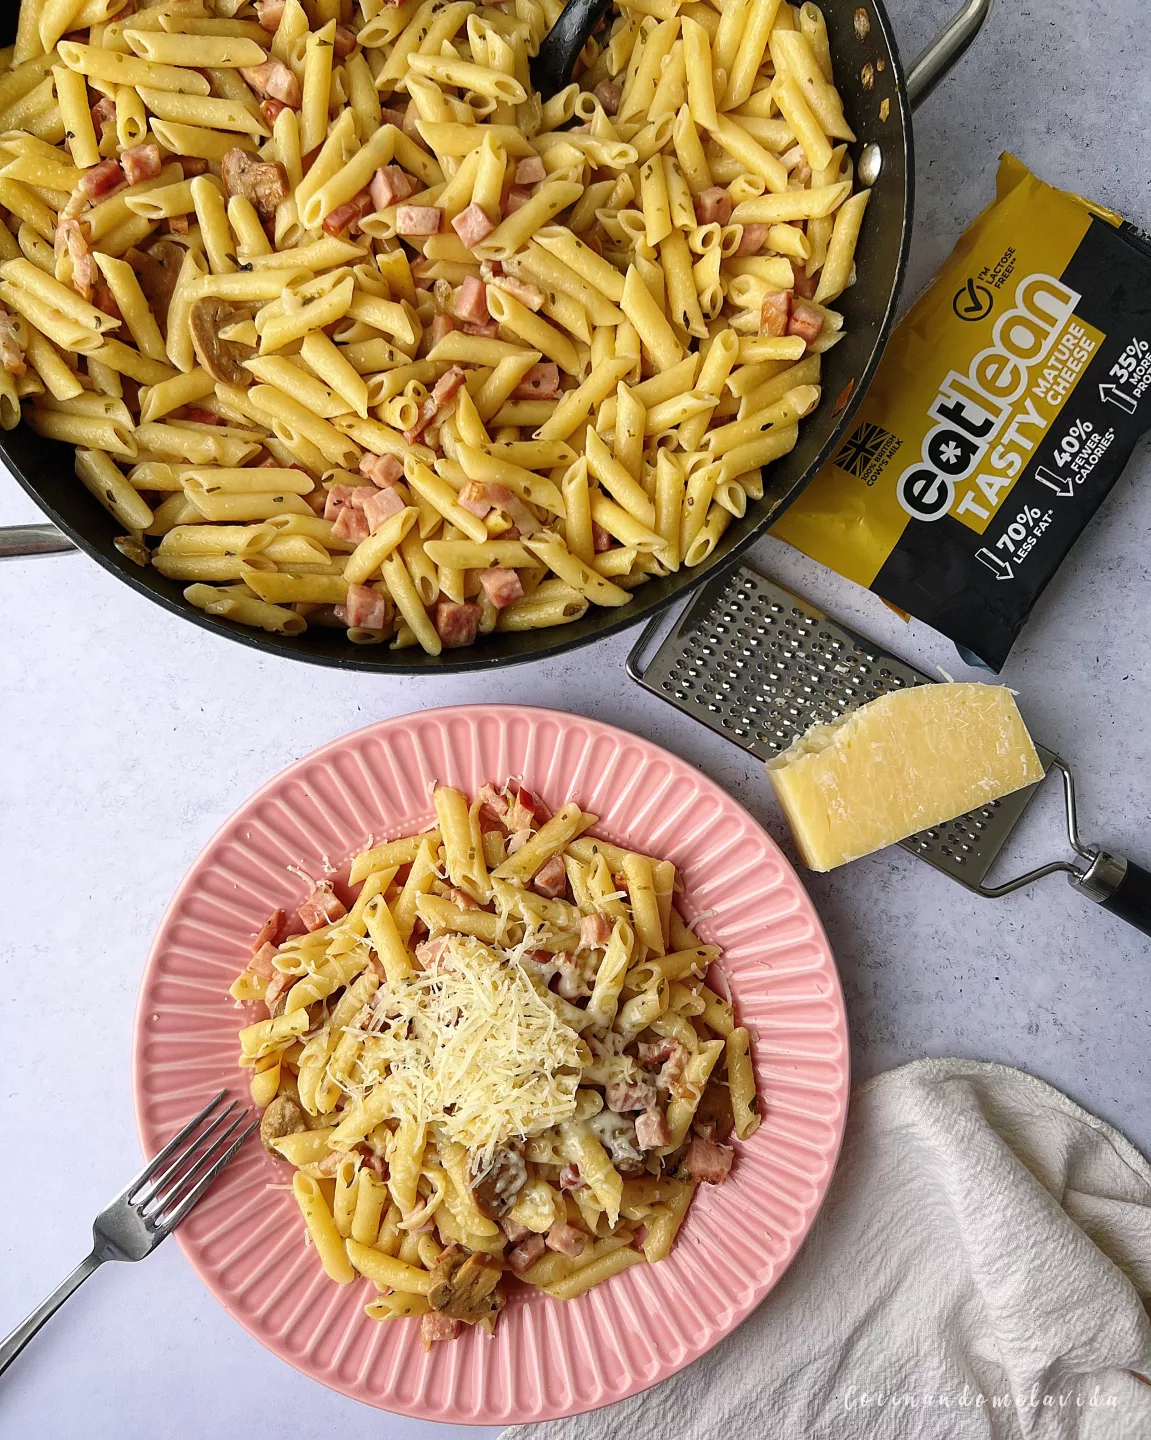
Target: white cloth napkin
x: 979, y: 1270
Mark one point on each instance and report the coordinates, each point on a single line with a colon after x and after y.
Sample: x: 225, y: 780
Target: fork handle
x: 11, y: 1346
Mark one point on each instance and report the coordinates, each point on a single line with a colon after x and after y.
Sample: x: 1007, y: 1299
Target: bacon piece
x: 551, y: 879
x: 490, y: 330
x: 713, y: 206
x: 276, y: 987
x: 338, y: 496
x: 101, y: 180
x: 651, y: 1129
x: 806, y: 322
x: 542, y: 382
x: 381, y: 469
x: 84, y: 271
x: 707, y: 1161
x: 268, y: 931
x: 493, y: 803
x: 470, y: 302
x: 198, y: 416
x: 261, y: 961
x: 441, y: 325
x: 349, y: 214
x: 473, y: 225
x: 594, y: 930
x: 600, y: 539
x: 275, y: 81
x: 609, y: 94
x: 261, y: 183
x: 622, y: 1095
x: 322, y: 907
x: 526, y: 1253
x: 381, y: 505
x: 477, y: 498
x: 501, y: 586
x: 367, y: 609
x: 530, y: 171
x: 481, y: 496
x: 398, y: 118
x: 427, y: 414
x: 566, y: 1239
x: 389, y: 185
x: 457, y: 625
x: 527, y: 294
x: 351, y: 524
x: 805, y: 284
x: 11, y: 353
x: 751, y: 241
x: 418, y: 220
x: 514, y: 1231
x: 569, y: 1178
x: 345, y: 42
x: 269, y: 13
x: 434, y: 1326
x: 775, y: 312
x: 447, y: 385
x: 462, y: 900
x: 515, y: 199
x: 103, y: 113
x: 141, y: 162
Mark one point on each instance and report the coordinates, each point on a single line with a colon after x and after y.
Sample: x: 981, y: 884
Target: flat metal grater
x: 759, y: 665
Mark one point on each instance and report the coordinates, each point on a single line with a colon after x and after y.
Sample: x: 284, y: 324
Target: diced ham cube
x: 261, y: 961
x: 101, y: 180
x: 775, y: 312
x: 470, y: 301
x: 515, y: 199
x: 713, y: 206
x: 457, y: 625
x: 322, y: 907
x: 542, y: 382
x: 594, y: 930
x: 366, y: 609
x: 530, y: 171
x: 275, y: 81
x: 198, y: 416
x: 476, y: 498
x: 473, y: 225
x: 429, y: 952
x: 381, y: 469
x: 651, y: 1129
x: 381, y: 505
x: 141, y: 162
x: 276, y: 987
x: 600, y: 539
x: 268, y: 931
x: 103, y: 113
x: 490, y: 330
x: 805, y: 285
x: 441, y: 325
x: 751, y: 241
x: 609, y: 94
x: 428, y: 409
x: 501, y: 586
x: 103, y: 299
x: 707, y: 1161
x: 338, y: 496
x: 624, y: 1095
x: 390, y: 185
x: 806, y: 322
x: 447, y: 385
x: 398, y: 118
x: 551, y: 879
x: 526, y: 1253
x: 566, y: 1239
x: 344, y: 43
x: 269, y: 13
x: 569, y: 1178
x: 493, y: 804
x: 655, y: 1052
x: 514, y: 1231
x: 530, y: 295
x: 348, y: 215
x: 351, y: 525
x: 434, y: 1326
x: 418, y: 220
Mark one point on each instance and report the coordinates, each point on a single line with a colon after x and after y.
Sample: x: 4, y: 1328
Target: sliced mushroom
x: 284, y: 1116
x: 496, y: 1189
x: 157, y: 270
x: 713, y: 1117
x: 467, y: 1289
x: 220, y: 358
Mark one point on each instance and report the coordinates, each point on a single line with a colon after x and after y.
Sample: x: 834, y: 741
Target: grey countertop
x: 129, y: 737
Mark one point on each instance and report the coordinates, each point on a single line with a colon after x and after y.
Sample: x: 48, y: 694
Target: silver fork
x: 150, y: 1207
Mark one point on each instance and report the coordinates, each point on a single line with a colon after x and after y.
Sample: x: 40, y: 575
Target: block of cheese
x: 901, y: 763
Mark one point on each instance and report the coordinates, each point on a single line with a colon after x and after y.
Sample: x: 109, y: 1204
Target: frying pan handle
x: 19, y: 541
x: 945, y: 51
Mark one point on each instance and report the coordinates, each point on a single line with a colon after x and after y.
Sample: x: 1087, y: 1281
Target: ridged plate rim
x: 477, y: 1380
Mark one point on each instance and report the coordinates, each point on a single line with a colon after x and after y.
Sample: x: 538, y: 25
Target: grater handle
x: 1120, y: 886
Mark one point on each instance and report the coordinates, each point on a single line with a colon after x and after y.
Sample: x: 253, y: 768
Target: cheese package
x: 1006, y: 405
x: 898, y: 765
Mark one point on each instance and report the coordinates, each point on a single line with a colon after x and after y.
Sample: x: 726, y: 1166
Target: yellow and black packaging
x: 1007, y: 403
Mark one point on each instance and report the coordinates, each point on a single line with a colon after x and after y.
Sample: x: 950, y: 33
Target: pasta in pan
x: 350, y: 328
x: 501, y: 1057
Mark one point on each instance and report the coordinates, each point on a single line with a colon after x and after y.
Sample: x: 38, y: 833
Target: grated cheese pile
x: 470, y: 1047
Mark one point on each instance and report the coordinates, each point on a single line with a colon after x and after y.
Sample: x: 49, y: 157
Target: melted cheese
x: 900, y: 764
x: 472, y: 1048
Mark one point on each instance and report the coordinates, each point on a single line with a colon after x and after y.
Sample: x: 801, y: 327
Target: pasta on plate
x: 501, y: 1058
x: 349, y: 328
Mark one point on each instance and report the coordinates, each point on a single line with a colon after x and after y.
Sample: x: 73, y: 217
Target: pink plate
x: 547, y: 1358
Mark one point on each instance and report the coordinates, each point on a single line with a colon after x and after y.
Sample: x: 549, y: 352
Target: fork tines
x: 170, y: 1184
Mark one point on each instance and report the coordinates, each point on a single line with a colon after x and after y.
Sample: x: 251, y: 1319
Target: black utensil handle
x: 1131, y: 898
x: 552, y: 68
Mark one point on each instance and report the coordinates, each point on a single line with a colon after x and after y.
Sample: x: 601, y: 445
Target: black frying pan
x: 878, y: 97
